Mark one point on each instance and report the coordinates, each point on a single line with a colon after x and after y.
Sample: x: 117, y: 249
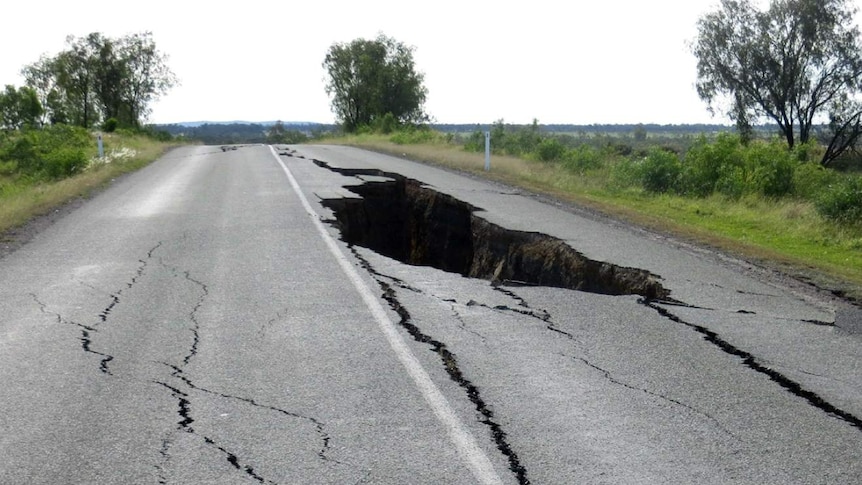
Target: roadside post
x: 101, y: 147
x: 487, y: 151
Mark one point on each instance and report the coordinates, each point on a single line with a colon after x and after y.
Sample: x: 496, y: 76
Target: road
x: 202, y: 321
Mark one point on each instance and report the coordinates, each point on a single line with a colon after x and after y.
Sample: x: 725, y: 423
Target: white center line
x: 465, y: 443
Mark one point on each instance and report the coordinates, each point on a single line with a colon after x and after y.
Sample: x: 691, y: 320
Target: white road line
x: 469, y: 450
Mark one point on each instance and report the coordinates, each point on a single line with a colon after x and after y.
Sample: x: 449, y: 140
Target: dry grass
x: 22, y: 202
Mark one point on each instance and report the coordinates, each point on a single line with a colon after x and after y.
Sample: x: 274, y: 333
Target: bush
x: 624, y: 174
x: 385, y: 124
x: 660, y: 171
x: 475, y: 142
x: 110, y: 125
x: 550, y: 150
x: 731, y: 182
x: 810, y: 180
x: 842, y: 202
x: 65, y: 162
x: 770, y: 167
x: 733, y: 169
x: 704, y: 164
x: 583, y: 158
x: 53, y: 152
x: 411, y: 136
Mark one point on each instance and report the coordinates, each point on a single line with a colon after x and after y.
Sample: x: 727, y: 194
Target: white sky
x: 580, y: 62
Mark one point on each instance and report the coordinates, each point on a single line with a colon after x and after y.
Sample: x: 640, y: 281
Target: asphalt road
x: 200, y: 322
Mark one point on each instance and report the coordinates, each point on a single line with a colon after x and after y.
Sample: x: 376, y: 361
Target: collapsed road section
x: 400, y: 218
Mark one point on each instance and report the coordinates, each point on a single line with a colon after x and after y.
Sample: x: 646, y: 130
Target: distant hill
x: 195, y: 124
x: 233, y: 132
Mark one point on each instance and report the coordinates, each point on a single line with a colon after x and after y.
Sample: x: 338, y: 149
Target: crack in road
x: 545, y: 316
x: 607, y: 374
x: 85, y: 338
x: 115, y: 296
x: 752, y: 363
x: 462, y: 324
x: 185, y: 425
x: 318, y: 425
x: 261, y: 332
x: 184, y: 399
x: 542, y: 314
x: 450, y: 363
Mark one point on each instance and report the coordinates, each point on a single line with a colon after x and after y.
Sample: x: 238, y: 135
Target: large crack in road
x: 405, y: 220
x: 400, y: 218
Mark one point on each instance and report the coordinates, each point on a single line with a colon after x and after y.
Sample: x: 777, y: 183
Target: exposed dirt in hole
x: 404, y: 220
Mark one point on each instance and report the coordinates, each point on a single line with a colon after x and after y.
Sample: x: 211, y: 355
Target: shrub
x: 385, y: 124
x: 411, y: 136
x: 733, y: 169
x: 550, y: 150
x: 65, y: 162
x: 704, y: 161
x: 475, y: 142
x: 810, y: 180
x: 110, y: 125
x: 660, y: 171
x: 53, y: 152
x: 583, y: 158
x: 624, y: 174
x: 770, y: 167
x: 842, y: 202
x: 731, y: 181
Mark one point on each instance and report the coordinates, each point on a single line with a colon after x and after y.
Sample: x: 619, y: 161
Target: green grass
x: 785, y: 234
x: 21, y: 200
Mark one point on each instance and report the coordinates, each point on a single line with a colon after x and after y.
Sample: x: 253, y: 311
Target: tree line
x: 95, y: 80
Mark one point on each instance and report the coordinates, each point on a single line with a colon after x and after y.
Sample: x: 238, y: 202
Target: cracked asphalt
x: 189, y: 325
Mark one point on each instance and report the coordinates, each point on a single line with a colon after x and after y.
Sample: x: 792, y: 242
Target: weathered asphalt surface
x: 194, y: 324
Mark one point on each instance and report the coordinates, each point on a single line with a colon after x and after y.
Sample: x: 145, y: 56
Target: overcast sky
x: 581, y: 62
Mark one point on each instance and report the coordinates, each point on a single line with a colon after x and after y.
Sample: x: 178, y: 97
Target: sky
x: 576, y: 62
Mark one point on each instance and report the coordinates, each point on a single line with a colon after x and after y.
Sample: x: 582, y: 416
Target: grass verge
x: 21, y: 201
x: 783, y: 234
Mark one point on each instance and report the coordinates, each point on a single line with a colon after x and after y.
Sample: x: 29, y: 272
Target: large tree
x: 75, y: 69
x: 98, y: 77
x: 147, y: 75
x: 370, y: 79
x: 797, y: 63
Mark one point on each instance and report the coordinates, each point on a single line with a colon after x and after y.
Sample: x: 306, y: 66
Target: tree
x: 41, y: 77
x: 798, y: 63
x: 368, y: 79
x: 101, y: 77
x: 19, y: 108
x: 147, y: 75
x: 110, y: 74
x: 75, y: 69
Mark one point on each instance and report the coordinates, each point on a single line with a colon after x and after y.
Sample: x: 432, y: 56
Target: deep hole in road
x: 402, y: 219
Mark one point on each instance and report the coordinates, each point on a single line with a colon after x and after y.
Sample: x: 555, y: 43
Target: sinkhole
x: 402, y: 219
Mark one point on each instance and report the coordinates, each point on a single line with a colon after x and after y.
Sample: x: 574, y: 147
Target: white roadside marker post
x: 487, y: 151
x: 101, y: 147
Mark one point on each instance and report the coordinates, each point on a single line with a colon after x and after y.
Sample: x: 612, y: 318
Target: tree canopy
x: 370, y: 79
x: 97, y: 78
x: 797, y: 63
x: 19, y: 108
